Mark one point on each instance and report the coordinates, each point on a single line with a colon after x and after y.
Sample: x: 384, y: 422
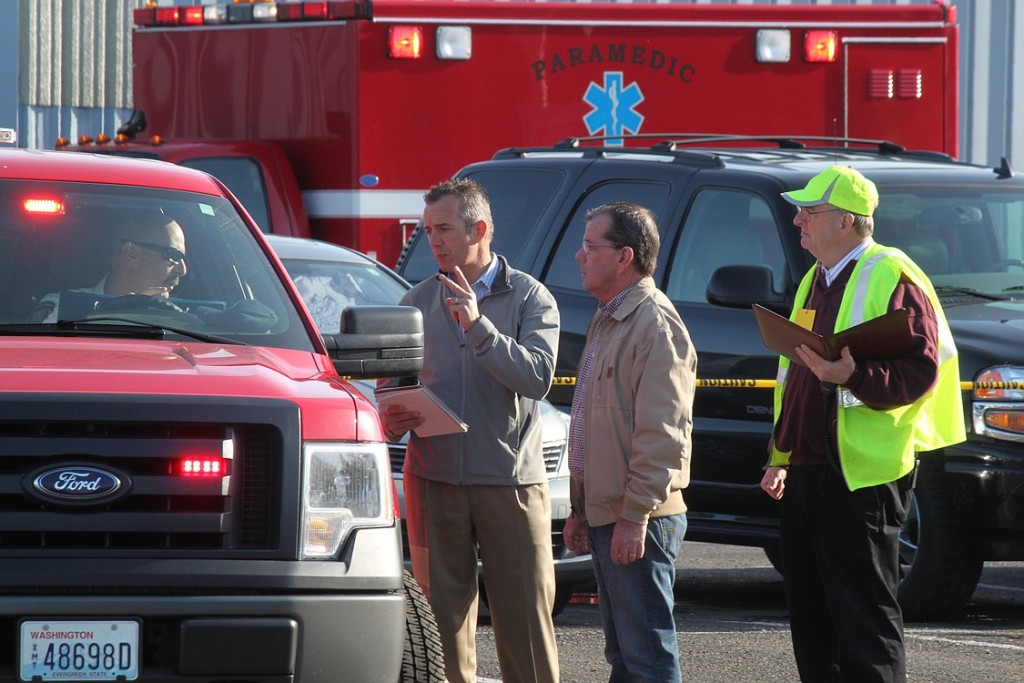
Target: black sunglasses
x: 169, y: 253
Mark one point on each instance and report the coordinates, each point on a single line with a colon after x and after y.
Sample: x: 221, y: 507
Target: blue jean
x: 637, y: 602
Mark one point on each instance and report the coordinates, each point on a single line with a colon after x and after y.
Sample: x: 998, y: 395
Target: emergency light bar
x: 243, y: 13
x: 404, y: 42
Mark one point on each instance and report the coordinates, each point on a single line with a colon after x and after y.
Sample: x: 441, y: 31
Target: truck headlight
x: 344, y: 486
x: 998, y: 406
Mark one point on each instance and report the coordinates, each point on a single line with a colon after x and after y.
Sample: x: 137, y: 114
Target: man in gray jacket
x: 490, y: 340
x: 629, y: 443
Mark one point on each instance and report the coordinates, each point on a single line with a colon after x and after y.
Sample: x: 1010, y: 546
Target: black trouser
x: 840, y: 559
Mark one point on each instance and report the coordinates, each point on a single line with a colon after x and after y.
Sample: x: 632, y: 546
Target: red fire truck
x: 331, y: 118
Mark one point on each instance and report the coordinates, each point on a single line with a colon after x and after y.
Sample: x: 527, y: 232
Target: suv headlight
x: 998, y: 411
x: 344, y: 486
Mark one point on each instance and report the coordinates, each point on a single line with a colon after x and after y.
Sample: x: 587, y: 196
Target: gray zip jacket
x: 492, y: 379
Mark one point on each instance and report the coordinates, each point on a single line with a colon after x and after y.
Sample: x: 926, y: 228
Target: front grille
x: 396, y: 452
x: 163, y: 510
x: 552, y: 456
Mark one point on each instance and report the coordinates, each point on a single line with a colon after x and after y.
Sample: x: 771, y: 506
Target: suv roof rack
x: 727, y: 146
x: 670, y: 142
x: 703, y: 158
x: 783, y: 141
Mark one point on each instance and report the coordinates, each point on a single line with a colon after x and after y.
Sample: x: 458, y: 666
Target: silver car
x: 329, y: 278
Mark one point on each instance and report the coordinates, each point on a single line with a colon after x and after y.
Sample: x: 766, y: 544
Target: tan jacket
x: 639, y: 411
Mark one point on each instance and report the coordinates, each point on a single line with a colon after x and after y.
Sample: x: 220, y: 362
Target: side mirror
x: 377, y: 341
x: 743, y: 286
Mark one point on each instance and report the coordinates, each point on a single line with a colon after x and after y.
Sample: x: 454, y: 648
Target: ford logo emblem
x: 78, y: 484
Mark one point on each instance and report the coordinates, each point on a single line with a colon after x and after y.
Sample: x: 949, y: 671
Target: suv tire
x: 939, y: 569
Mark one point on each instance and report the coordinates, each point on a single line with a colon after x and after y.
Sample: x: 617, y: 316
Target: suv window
x: 723, y: 227
x: 563, y: 271
x: 961, y: 237
x: 518, y: 200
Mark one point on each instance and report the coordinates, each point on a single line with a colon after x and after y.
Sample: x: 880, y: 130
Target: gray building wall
x: 74, y: 66
x: 991, y: 80
x: 71, y: 69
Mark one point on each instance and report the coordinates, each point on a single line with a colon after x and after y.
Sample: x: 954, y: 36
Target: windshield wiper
x: 100, y: 326
x: 940, y: 289
x: 158, y: 329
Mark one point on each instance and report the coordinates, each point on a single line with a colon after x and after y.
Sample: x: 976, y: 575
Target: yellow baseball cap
x: 840, y: 186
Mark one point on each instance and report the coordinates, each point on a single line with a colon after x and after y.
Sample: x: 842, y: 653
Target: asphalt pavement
x: 733, y: 628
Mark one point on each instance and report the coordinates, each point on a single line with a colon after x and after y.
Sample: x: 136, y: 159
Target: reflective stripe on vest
x: 879, y: 446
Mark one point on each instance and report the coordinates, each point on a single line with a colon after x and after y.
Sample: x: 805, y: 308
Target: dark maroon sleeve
x: 901, y: 381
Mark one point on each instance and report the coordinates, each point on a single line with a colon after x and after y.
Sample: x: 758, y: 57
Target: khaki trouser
x: 512, y: 527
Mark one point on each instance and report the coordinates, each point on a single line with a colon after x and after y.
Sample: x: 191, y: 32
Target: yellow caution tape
x: 727, y: 383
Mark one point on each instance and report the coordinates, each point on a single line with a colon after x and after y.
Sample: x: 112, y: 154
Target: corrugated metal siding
x: 992, y: 81
x: 76, y: 69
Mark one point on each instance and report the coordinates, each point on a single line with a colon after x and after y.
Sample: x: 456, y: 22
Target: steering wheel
x: 1007, y: 263
x: 138, y: 302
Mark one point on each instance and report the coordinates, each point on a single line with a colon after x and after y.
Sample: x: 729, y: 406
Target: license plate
x: 79, y: 650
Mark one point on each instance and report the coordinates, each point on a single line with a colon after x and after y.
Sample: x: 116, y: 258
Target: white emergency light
x: 215, y: 14
x: 264, y: 11
x: 454, y: 42
x: 772, y: 45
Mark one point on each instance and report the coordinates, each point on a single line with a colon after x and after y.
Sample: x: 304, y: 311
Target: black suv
x: 728, y: 241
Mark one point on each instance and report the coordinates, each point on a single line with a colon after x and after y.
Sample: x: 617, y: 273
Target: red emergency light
x: 405, y: 42
x: 45, y: 206
x: 191, y: 15
x: 202, y: 467
x: 165, y: 16
x: 820, y: 46
x: 299, y: 11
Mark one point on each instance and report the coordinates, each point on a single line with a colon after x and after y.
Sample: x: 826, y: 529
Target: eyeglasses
x: 169, y: 254
x: 815, y: 213
x: 587, y: 246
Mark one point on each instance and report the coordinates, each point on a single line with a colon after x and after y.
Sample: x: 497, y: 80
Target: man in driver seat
x: 147, y: 257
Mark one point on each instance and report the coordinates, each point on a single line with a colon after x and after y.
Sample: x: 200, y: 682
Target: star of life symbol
x: 614, y: 107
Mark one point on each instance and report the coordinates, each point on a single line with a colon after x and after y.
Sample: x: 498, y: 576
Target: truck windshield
x: 82, y: 252
x: 963, y: 237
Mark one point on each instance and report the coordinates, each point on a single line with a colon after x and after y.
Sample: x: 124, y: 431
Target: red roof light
x: 405, y: 42
x: 191, y: 15
x: 165, y: 16
x: 820, y: 46
x: 46, y: 206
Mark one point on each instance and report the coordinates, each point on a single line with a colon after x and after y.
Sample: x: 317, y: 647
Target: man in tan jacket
x: 629, y: 445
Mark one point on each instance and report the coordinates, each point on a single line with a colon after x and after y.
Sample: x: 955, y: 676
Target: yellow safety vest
x: 879, y: 446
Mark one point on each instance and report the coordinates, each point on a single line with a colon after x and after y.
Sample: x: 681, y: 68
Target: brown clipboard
x: 417, y: 398
x: 881, y: 338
